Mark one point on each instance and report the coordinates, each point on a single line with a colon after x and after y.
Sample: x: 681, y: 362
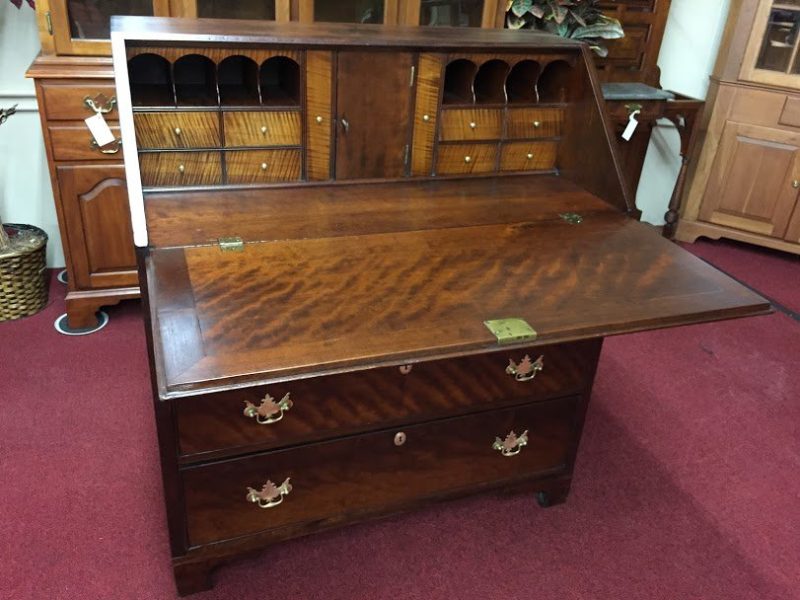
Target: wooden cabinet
x: 340, y: 345
x: 745, y: 185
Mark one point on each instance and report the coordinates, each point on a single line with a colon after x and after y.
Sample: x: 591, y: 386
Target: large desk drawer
x: 314, y: 409
x: 375, y: 473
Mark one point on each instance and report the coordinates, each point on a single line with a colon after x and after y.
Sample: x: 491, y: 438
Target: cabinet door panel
x: 751, y: 184
x: 373, y: 97
x: 95, y: 204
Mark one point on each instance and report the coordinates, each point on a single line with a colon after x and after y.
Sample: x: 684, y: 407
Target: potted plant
x: 577, y: 19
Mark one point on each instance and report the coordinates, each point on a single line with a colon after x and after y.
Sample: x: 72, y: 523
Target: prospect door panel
x: 754, y: 180
x: 95, y: 204
x: 373, y: 105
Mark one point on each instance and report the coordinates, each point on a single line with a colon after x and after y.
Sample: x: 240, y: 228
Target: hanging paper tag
x: 100, y: 130
x: 632, y: 125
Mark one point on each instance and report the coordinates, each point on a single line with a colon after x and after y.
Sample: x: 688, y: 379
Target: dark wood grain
x: 370, y: 138
x: 214, y: 425
x: 431, y: 299
x: 370, y: 473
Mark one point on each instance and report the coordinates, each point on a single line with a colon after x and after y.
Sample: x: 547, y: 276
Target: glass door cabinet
x: 772, y: 54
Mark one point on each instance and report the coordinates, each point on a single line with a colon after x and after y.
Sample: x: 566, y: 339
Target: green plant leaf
x: 520, y: 7
x: 606, y: 31
x: 600, y: 50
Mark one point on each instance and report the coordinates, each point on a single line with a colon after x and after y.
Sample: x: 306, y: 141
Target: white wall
x: 25, y: 192
x: 688, y: 53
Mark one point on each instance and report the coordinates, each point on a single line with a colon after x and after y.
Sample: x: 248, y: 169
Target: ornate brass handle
x: 345, y: 124
x: 512, y: 445
x: 269, y: 411
x: 270, y: 495
x: 526, y: 370
x: 106, y: 149
x: 98, y: 105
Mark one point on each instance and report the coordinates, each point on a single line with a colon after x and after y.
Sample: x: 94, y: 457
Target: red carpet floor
x: 687, y: 483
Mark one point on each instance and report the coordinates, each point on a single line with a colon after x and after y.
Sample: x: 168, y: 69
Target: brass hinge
x: 572, y: 218
x: 231, y: 244
x: 49, y: 20
x: 413, y: 75
x: 510, y: 331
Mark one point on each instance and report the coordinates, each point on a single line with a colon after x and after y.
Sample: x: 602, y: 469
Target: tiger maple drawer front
x: 528, y: 156
x: 75, y: 142
x: 169, y: 169
x: 471, y: 124
x: 306, y: 410
x: 67, y: 101
x: 263, y: 166
x: 457, y: 159
x: 534, y: 122
x: 267, y: 128
x: 375, y: 473
x: 177, y: 130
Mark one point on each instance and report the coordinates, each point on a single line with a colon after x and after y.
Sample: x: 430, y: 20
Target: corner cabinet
x: 746, y: 183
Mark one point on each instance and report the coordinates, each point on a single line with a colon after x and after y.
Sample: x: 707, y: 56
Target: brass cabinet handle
x: 269, y: 411
x: 796, y: 184
x: 97, y: 105
x: 345, y: 124
x: 270, y: 495
x: 526, y: 370
x: 512, y: 445
x: 108, y: 148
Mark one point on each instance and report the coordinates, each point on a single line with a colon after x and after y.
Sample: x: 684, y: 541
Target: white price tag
x: 632, y: 125
x: 100, y: 130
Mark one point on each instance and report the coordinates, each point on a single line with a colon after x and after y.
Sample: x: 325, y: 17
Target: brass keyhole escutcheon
x: 399, y: 438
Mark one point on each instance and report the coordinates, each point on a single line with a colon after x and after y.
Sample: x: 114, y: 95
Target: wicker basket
x: 23, y: 272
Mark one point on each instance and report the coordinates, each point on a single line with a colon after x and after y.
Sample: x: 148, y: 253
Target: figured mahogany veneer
x: 317, y: 321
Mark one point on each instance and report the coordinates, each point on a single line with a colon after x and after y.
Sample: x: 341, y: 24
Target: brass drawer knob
x: 269, y: 411
x: 529, y: 155
x: 181, y: 169
x: 426, y: 118
x: 178, y: 131
x: 264, y: 129
x: 473, y: 125
x: 467, y: 159
x: 270, y: 495
x: 512, y: 445
x: 399, y: 438
x: 319, y: 119
x: 796, y: 184
x: 527, y: 369
x: 264, y: 166
x: 537, y: 124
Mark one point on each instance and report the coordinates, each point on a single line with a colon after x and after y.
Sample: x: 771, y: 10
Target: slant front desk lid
x: 329, y: 293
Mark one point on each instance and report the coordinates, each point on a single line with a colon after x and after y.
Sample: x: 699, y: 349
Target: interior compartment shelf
x: 279, y: 79
x: 151, y: 81
x: 237, y: 78
x: 195, y: 79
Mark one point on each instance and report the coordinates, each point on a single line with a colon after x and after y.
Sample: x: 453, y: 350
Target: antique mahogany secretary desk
x: 378, y: 264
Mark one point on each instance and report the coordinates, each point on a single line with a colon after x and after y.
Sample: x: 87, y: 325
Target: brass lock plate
x: 510, y: 331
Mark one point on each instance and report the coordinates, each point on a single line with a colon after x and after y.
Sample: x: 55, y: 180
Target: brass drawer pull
x: 529, y: 156
x: 269, y: 411
x: 264, y: 166
x: 100, y: 104
x: 181, y: 169
x: 512, y: 445
x: 270, y: 495
x: 537, y: 124
x: 264, y: 129
x: 178, y: 131
x: 467, y: 159
x: 108, y: 148
x: 473, y: 125
x: 526, y: 370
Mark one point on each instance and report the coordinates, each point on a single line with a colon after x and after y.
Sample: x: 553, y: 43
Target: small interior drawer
x: 68, y: 101
x: 534, y: 122
x: 264, y: 128
x: 163, y: 130
x: 168, y: 169
x: 471, y: 124
x: 263, y: 166
x: 528, y: 156
x: 375, y: 471
x: 455, y: 159
x: 74, y: 142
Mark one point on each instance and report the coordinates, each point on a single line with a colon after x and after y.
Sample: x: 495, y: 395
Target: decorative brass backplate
x: 231, y: 244
x: 268, y: 411
x: 509, y: 331
x: 527, y: 369
x: 270, y: 494
x: 512, y: 445
x: 572, y: 218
